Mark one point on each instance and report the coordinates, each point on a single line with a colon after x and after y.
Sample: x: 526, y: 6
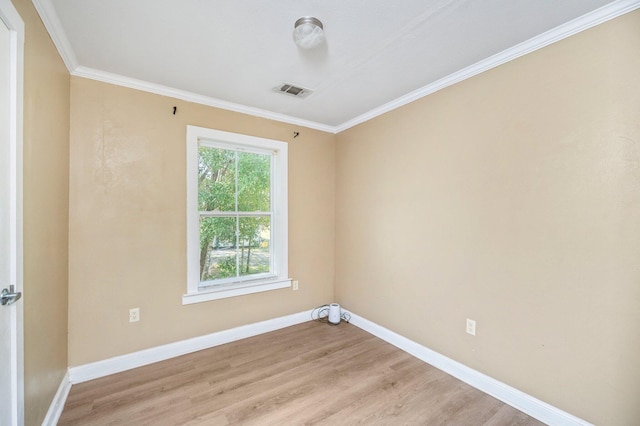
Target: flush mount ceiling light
x: 308, y: 32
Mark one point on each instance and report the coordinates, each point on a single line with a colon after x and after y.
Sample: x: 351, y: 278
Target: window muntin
x: 234, y: 193
x: 236, y: 214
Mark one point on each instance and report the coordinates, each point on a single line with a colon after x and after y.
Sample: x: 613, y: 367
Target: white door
x: 11, y: 383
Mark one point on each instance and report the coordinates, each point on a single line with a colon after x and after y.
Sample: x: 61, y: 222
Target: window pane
x: 216, y: 179
x: 254, y: 182
x: 217, y: 248
x: 254, y: 244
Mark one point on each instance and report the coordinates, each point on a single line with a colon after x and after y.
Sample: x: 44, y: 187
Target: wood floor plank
x: 311, y: 373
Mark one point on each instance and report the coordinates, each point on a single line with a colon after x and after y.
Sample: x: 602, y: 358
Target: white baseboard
x: 526, y: 403
x: 55, y: 409
x: 94, y: 370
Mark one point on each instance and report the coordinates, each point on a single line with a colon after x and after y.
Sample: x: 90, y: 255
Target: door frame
x: 11, y: 18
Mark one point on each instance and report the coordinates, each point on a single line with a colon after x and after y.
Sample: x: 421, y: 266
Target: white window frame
x: 197, y: 136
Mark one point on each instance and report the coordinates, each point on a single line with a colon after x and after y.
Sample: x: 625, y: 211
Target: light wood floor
x: 312, y: 373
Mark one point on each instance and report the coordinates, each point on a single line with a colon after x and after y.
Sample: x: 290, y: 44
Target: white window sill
x: 236, y: 290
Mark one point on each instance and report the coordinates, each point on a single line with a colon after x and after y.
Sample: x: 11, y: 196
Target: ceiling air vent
x: 290, y: 89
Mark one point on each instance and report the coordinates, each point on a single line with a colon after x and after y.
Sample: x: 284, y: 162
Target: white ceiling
x: 379, y: 53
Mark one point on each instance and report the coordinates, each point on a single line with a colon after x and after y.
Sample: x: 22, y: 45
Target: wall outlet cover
x: 471, y: 327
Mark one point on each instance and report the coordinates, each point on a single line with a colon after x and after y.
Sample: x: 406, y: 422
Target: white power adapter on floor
x: 334, y: 314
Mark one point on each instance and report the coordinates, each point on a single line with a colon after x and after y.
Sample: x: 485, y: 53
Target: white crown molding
x: 98, y: 369
x: 57, y: 405
x: 52, y: 23
x: 526, y: 403
x: 584, y: 22
x: 589, y: 20
x: 184, y: 95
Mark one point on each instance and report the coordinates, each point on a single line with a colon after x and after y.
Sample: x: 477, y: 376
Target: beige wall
x: 46, y: 209
x: 127, y: 233
x: 510, y: 198
x: 513, y: 199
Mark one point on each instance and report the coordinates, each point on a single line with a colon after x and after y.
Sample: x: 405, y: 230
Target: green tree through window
x: 234, y: 202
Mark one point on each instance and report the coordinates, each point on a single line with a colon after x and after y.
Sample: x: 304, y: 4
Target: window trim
x: 279, y: 221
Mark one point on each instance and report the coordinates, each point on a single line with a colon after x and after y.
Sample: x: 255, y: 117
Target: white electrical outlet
x: 471, y: 327
x: 134, y: 315
x: 295, y: 285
